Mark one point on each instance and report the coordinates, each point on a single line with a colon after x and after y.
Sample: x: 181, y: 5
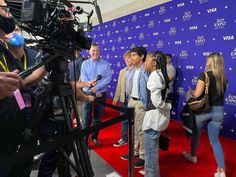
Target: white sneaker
x: 189, y: 157
x: 220, y: 174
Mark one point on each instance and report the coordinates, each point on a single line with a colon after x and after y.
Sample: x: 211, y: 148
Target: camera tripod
x: 54, y: 85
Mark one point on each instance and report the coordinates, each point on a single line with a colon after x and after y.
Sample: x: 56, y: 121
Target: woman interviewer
x: 216, y: 73
x: 157, y: 116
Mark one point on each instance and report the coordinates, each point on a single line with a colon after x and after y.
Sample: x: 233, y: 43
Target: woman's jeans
x: 214, y: 121
x: 151, y: 148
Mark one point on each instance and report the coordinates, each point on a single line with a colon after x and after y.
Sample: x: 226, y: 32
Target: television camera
x: 60, y: 32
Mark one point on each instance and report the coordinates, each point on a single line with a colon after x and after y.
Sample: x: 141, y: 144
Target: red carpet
x: 172, y: 164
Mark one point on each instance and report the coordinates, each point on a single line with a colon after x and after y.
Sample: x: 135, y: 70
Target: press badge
x: 19, y: 99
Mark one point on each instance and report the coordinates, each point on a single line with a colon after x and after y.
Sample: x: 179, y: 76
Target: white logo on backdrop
x: 180, y: 4
x: 195, y: 27
x: 103, y: 41
x: 99, y: 28
x: 132, y: 45
x: 112, y: 71
x: 189, y: 67
x: 230, y: 100
x: 134, y: 18
x: 160, y: 44
x: 151, y: 24
x: 200, y: 40
x: 94, y: 36
x: 228, y: 38
x: 126, y: 30
x: 147, y: 14
x: 172, y: 31
x: 233, y: 53
x: 118, y: 64
x: 108, y: 33
x: 119, y: 40
x: 178, y: 42
x: 155, y: 34
x: 187, y: 16
x: 167, y: 20
x: 220, y: 23
x: 162, y: 10
x: 107, y: 56
x: 114, y: 24
x: 141, y: 36
x: 113, y: 48
x: 111, y: 94
x: 205, y: 54
x: 212, y: 10
x: 183, y: 54
x: 181, y: 91
x: 194, y: 80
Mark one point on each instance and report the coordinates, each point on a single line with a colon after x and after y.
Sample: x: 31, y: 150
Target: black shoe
x: 96, y: 142
x: 120, y: 143
x: 140, y: 163
x: 126, y: 156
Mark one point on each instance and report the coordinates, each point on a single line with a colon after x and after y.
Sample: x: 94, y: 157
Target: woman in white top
x: 158, y: 111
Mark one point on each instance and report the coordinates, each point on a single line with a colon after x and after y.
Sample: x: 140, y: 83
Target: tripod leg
x: 79, y: 147
x: 69, y: 129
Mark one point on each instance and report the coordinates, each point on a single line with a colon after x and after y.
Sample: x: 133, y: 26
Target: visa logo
x: 189, y: 67
x: 155, y: 34
x: 211, y: 10
x: 193, y: 27
x: 137, y: 27
x: 130, y: 37
x: 167, y: 20
x: 227, y: 38
x: 180, y: 4
x: 178, y: 42
x: 147, y: 14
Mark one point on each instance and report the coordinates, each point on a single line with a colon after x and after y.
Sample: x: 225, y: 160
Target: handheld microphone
x: 99, y: 77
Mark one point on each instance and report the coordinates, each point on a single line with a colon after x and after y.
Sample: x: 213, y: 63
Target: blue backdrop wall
x: 189, y: 30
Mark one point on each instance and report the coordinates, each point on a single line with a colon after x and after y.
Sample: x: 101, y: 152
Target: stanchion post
x: 130, y: 115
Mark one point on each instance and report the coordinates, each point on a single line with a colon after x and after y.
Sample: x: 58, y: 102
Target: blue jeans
x: 151, y: 147
x: 124, y: 126
x: 214, y: 121
x: 87, y: 109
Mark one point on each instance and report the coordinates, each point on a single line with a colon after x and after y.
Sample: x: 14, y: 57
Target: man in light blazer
x: 123, y: 91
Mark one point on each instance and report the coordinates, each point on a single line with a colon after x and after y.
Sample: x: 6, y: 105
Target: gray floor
x: 100, y: 167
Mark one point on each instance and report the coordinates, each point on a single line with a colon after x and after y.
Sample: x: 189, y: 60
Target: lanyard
x: 5, y: 67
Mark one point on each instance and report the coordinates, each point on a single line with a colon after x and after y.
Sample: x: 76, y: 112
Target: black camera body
x: 32, y: 11
x: 54, y: 21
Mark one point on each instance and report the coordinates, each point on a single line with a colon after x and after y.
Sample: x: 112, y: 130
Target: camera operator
x: 13, y: 59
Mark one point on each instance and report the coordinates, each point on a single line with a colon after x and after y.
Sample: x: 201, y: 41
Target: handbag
x: 164, y: 141
x: 202, y: 105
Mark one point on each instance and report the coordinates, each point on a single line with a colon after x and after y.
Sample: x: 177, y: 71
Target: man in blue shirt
x: 90, y: 69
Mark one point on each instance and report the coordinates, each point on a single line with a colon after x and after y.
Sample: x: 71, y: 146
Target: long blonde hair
x: 215, y: 63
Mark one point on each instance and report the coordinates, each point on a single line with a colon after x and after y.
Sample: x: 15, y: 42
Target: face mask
x: 17, y: 40
x: 7, y: 24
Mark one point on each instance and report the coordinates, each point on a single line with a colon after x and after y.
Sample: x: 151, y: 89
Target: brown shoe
x: 96, y: 142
